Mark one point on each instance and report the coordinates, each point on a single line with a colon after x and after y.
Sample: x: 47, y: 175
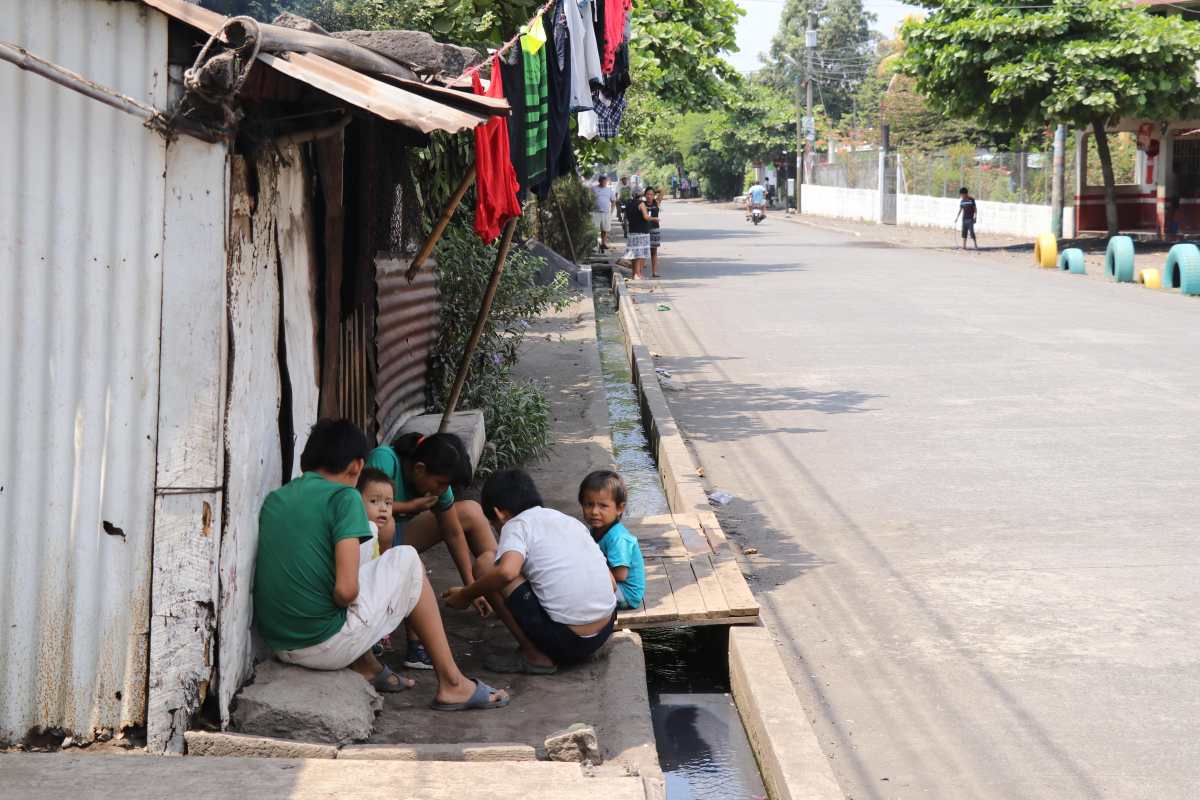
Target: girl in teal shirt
x: 422, y: 469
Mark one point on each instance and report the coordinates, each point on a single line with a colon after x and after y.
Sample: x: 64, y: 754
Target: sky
x: 756, y: 29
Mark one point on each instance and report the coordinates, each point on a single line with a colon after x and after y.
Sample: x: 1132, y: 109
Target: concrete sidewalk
x: 610, y: 692
x: 71, y: 777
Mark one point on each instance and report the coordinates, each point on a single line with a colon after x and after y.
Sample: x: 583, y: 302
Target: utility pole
x: 804, y: 148
x: 1056, y: 186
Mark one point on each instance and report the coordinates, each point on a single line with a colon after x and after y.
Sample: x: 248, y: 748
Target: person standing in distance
x: 602, y: 212
x: 969, y: 213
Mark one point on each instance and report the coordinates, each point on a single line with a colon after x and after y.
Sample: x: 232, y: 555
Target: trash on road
x: 663, y: 307
x: 666, y: 373
x: 750, y: 551
x: 720, y: 498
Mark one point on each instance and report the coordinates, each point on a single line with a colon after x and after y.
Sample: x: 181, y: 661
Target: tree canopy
x: 1069, y: 61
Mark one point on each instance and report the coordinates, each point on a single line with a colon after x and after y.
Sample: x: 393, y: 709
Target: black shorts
x: 968, y: 228
x: 555, y: 639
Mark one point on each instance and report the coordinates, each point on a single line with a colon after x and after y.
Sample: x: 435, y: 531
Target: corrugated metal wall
x: 407, y: 327
x: 81, y: 216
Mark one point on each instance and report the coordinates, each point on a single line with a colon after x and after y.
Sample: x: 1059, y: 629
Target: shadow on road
x: 725, y: 411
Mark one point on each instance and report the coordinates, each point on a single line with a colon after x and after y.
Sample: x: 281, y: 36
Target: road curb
x: 786, y: 746
x: 792, y: 766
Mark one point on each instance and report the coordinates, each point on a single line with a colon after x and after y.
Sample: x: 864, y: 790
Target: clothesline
x: 504, y: 48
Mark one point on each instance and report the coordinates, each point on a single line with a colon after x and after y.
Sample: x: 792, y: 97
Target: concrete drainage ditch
x: 702, y: 746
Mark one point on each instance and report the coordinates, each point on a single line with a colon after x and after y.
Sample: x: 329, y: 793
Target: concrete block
x: 466, y: 425
x: 789, y: 756
x: 212, y: 743
x: 335, y: 707
x: 438, y: 752
x: 576, y: 743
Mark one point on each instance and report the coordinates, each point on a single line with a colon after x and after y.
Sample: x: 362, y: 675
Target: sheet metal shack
x: 179, y: 301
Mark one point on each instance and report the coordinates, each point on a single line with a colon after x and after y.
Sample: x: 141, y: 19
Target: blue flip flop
x: 382, y: 682
x: 480, y: 699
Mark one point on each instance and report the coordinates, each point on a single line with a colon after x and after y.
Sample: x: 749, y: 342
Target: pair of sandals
x: 481, y: 698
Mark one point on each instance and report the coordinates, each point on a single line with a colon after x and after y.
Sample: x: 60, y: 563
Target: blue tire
x: 1071, y: 260
x: 1118, y: 259
x: 1183, y: 269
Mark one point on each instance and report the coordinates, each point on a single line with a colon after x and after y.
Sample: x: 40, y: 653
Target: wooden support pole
x: 562, y: 218
x: 485, y: 308
x: 438, y: 229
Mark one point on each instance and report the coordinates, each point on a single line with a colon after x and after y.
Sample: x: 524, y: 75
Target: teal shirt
x: 294, y: 572
x: 384, y: 458
x: 621, y: 549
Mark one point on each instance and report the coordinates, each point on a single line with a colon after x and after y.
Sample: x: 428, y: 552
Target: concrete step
x: 62, y: 776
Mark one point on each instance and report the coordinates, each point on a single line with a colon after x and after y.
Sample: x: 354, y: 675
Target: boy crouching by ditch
x: 548, y: 582
x: 317, y: 606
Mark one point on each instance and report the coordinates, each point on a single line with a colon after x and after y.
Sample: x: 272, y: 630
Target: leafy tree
x: 845, y: 50
x: 754, y: 123
x: 1080, y: 62
x: 676, y: 51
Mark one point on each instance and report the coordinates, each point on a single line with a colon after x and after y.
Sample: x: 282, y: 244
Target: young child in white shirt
x: 547, y: 581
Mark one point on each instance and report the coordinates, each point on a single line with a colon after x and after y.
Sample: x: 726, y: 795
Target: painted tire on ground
x: 1118, y: 259
x: 1045, y: 250
x: 1071, y: 260
x: 1150, y: 278
x: 1183, y: 269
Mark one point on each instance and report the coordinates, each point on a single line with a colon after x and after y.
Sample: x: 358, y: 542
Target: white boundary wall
x: 1016, y: 219
x: 833, y: 201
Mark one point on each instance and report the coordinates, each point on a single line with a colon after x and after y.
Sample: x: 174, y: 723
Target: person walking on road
x: 602, y: 212
x: 969, y: 213
x: 637, y: 217
x: 654, y: 198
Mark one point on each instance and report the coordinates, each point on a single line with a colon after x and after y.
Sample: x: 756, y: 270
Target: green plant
x: 517, y: 417
x: 569, y: 202
x: 516, y: 414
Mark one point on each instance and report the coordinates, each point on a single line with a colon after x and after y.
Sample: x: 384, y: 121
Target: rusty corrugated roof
x: 386, y: 100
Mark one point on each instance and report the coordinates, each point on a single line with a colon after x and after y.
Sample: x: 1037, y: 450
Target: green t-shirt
x: 294, y: 574
x: 384, y: 458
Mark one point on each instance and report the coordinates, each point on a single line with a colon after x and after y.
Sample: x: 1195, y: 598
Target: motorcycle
x: 757, y: 215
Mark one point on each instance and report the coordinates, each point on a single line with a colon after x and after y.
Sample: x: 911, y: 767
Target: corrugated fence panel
x: 81, y: 215
x: 407, y: 329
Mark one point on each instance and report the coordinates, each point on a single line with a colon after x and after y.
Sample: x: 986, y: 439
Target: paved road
x: 974, y: 487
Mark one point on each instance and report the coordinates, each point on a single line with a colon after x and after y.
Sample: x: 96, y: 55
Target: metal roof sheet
x: 383, y: 99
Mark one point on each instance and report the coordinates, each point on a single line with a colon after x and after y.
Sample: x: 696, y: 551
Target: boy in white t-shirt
x: 548, y: 582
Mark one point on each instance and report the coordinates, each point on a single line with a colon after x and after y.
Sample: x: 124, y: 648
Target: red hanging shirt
x: 615, y: 12
x: 496, y: 184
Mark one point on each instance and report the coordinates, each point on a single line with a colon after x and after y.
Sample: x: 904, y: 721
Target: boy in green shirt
x: 317, y: 606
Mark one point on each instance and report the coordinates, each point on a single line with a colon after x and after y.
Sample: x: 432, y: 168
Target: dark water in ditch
x: 702, y: 746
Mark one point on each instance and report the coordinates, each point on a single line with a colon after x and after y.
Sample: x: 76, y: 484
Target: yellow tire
x: 1151, y: 278
x: 1045, y: 250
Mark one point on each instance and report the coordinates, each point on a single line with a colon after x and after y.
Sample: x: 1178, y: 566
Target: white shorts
x: 602, y: 220
x: 388, y: 590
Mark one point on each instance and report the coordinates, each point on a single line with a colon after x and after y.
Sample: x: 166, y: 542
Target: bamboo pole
x: 440, y: 227
x: 566, y: 232
x: 485, y: 308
